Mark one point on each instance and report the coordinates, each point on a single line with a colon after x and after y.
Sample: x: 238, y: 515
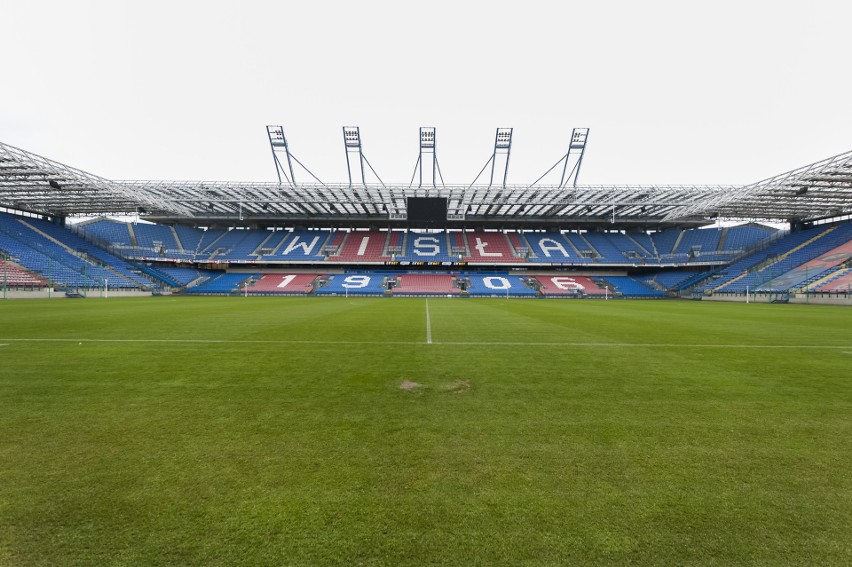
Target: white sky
x: 673, y: 91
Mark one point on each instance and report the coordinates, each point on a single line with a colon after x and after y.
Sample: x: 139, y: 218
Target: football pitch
x: 372, y: 431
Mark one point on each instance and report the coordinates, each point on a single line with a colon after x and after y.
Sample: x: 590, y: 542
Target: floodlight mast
x: 428, y: 143
x: 352, y: 145
x: 577, y: 145
x: 278, y: 142
x: 502, y: 146
x: 576, y: 149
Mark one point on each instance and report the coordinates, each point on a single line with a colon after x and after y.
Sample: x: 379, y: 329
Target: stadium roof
x: 29, y: 182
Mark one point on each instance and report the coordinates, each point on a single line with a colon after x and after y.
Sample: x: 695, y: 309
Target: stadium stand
x: 303, y: 245
x: 816, y: 268
x: 665, y: 241
x: 355, y: 284
x: 427, y: 247
x: 362, y: 246
x: 177, y: 276
x: 277, y: 284
x: 426, y: 284
x: 123, y: 274
x: 573, y: 286
x: 13, y: 275
x: 840, y: 282
x: 489, y: 248
x: 627, y: 286
x: 223, y: 283
x: 499, y: 285
x: 551, y: 247
x: 785, y: 254
x: 34, y: 245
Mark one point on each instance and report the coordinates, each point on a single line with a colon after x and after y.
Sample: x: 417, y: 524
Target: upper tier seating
x: 489, y: 247
x: 302, y: 246
x: 190, y: 238
x: 607, y: 252
x: 442, y: 284
x: 552, y: 248
x: 664, y: 241
x: 427, y: 247
x: 113, y: 233
x: 362, y: 246
x: 553, y: 285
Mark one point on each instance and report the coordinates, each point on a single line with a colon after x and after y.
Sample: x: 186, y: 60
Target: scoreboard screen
x: 427, y: 209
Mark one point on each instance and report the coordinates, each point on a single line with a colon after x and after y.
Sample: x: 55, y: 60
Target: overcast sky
x: 673, y: 92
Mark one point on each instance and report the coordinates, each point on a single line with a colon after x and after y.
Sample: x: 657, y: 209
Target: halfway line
x: 428, y: 325
x: 429, y: 341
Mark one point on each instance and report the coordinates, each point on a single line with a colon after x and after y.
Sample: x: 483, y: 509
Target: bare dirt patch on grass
x: 409, y: 386
x: 457, y: 387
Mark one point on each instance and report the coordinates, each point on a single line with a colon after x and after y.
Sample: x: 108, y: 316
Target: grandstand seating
x: 303, y: 245
x: 489, y: 247
x: 674, y: 246
x: 13, y: 275
x: 702, y: 240
x: 283, y: 284
x: 607, y: 252
x: 33, y: 243
x: 190, y: 238
x: 362, y: 246
x: 158, y: 239
x: 785, y: 254
x: 499, y: 285
x: 738, y: 269
x: 744, y: 237
x: 123, y: 274
x: 177, y: 276
x: 840, y: 282
x: 518, y: 243
x: 111, y: 232
x: 552, y: 248
x: 560, y: 285
x: 645, y: 244
x: 627, y: 286
x: 223, y: 283
x: 665, y: 240
x: 443, y: 284
x: 354, y: 284
x: 427, y: 247
x: 816, y: 267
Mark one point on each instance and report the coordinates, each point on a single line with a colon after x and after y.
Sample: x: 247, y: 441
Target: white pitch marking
x: 460, y: 343
x: 428, y: 325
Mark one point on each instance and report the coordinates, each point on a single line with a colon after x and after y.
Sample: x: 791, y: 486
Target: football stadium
x: 371, y: 373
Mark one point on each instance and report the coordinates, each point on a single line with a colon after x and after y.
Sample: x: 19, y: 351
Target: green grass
x: 589, y: 432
